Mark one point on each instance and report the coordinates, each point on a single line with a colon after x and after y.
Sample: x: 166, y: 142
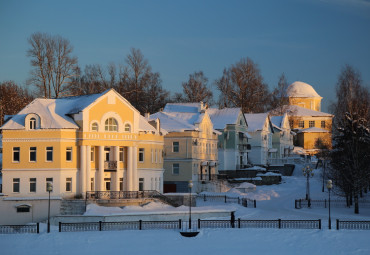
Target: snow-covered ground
x: 273, y: 202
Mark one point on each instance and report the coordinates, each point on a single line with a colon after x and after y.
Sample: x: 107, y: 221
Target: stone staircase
x: 72, y: 207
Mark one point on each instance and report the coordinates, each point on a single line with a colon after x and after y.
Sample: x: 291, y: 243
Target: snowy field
x: 273, y: 202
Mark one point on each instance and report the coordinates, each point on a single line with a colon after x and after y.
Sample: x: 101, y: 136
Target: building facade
x: 282, y: 139
x: 190, y: 147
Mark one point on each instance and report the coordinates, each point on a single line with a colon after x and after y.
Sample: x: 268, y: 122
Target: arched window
x: 94, y: 127
x: 111, y: 125
x: 33, y: 123
x: 127, y: 128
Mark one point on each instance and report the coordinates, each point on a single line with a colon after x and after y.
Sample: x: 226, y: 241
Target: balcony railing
x: 110, y: 166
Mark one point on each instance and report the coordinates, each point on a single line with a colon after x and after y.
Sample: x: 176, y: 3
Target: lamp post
x: 190, y: 185
x: 308, y: 172
x: 49, y: 188
x: 323, y: 175
x: 329, y: 186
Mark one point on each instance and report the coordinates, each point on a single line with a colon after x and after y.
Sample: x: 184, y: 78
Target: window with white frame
x: 92, y: 185
x: 152, y: 154
x: 120, y: 184
x: 92, y: 154
x: 323, y: 124
x: 32, y: 185
x: 176, y: 169
x: 23, y: 208
x: 141, y: 154
x: 127, y: 127
x: 156, y: 156
x: 16, y: 185
x: 49, y: 153
x: 111, y: 124
x: 32, y: 154
x: 301, y: 124
x: 121, y: 154
x: 141, y: 184
x: 94, y: 127
x: 16, y: 154
x: 175, y: 147
x: 69, y: 184
x: 69, y: 154
x: 311, y: 123
x: 33, y: 123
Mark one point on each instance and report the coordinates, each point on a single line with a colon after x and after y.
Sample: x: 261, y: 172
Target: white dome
x: 301, y: 89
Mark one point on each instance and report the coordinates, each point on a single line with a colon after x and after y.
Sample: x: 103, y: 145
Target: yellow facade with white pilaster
x: 80, y: 144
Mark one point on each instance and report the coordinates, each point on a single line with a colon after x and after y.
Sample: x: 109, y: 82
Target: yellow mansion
x: 79, y: 144
x: 306, y: 118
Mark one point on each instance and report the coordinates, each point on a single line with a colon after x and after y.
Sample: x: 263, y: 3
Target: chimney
x: 147, y: 115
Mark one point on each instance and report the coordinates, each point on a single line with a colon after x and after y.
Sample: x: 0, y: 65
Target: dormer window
x: 94, y: 127
x: 33, y: 123
x: 111, y: 125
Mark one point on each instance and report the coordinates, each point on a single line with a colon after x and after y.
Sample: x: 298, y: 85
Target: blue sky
x: 309, y: 41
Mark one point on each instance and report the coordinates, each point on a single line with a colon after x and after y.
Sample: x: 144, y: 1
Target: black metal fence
x: 358, y: 225
x: 200, y: 224
x: 228, y: 199
x: 20, y: 229
x: 303, y: 203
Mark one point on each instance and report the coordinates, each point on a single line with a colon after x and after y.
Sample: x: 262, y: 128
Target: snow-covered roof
x: 313, y: 130
x: 54, y: 113
x: 295, y: 110
x: 171, y: 123
x: 221, y: 117
x: 301, y: 89
x: 256, y: 121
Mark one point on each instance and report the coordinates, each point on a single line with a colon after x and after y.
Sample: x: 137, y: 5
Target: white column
x: 116, y: 176
x: 129, y: 169
x: 83, y: 170
x: 99, y: 184
x: 88, y: 168
x: 135, y: 180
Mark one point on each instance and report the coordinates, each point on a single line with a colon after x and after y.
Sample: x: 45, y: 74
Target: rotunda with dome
x: 303, y: 95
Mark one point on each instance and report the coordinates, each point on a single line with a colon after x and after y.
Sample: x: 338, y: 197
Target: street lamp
x: 190, y: 185
x: 49, y: 188
x: 308, y: 172
x: 329, y: 186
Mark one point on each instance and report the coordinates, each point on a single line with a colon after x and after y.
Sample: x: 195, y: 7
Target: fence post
x: 238, y: 222
x: 180, y: 224
x: 319, y: 223
x: 198, y: 223
x: 60, y: 226
x: 255, y: 203
x: 140, y: 224
x: 337, y: 224
x: 279, y: 220
x: 99, y: 225
x: 38, y: 227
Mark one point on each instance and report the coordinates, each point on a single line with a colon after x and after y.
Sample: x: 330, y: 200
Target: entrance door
x: 107, y: 183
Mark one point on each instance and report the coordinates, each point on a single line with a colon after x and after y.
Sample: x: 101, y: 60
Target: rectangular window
x: 32, y: 184
x: 152, y: 153
x: 141, y: 184
x: 120, y: 184
x: 175, y: 146
x: 69, y: 154
x: 23, y: 208
x: 48, y: 180
x: 16, y: 154
x: 311, y: 123
x: 49, y: 153
x: 323, y: 124
x: 92, y: 184
x: 141, y: 154
x: 156, y: 156
x: 121, y: 154
x: 92, y: 154
x: 69, y: 184
x: 16, y: 185
x: 32, y: 154
x: 176, y: 169
x: 301, y: 124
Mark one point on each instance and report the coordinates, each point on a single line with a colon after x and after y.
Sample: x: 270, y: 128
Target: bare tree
x: 52, y: 62
x: 13, y: 98
x: 278, y: 97
x: 196, y: 89
x: 242, y: 86
x: 136, y: 79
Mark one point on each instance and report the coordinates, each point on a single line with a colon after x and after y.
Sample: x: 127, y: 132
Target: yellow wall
x: 308, y: 103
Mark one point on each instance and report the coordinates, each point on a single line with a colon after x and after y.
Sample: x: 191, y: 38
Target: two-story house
x: 282, y: 139
x: 261, y: 130
x: 233, y: 146
x: 79, y: 144
x: 190, y: 146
